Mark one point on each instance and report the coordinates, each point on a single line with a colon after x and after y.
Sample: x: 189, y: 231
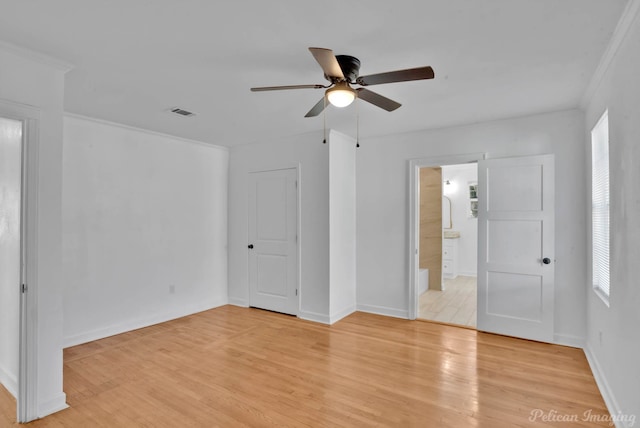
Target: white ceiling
x: 135, y: 59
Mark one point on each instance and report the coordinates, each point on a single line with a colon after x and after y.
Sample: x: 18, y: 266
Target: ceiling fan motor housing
x: 350, y: 66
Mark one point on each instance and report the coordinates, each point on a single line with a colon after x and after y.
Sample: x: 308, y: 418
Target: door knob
x: 546, y: 260
x: 250, y: 246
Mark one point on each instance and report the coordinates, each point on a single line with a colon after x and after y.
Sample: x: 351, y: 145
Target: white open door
x: 516, y: 246
x: 273, y: 255
x: 18, y: 247
x: 11, y: 244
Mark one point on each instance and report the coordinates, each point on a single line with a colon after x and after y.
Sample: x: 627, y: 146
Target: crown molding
x: 36, y: 56
x: 144, y: 131
x: 628, y: 17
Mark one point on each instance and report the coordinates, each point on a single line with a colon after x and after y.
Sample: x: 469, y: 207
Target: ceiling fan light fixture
x: 341, y: 95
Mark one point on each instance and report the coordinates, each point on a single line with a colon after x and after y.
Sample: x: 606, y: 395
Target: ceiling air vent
x: 182, y: 112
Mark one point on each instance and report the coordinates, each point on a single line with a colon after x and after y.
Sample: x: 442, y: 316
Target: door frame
x: 27, y: 399
x: 298, y: 167
x: 414, y: 214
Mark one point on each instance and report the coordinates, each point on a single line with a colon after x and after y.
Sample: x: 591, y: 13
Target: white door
x: 11, y: 133
x: 273, y: 248
x: 516, y: 246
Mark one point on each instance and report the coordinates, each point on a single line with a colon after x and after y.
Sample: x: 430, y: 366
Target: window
x: 600, y: 205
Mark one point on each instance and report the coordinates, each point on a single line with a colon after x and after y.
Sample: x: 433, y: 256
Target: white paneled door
x: 11, y: 137
x: 273, y: 246
x: 516, y: 246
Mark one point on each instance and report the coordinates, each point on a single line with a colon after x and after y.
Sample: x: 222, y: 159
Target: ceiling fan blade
x: 317, y: 109
x: 377, y: 99
x: 327, y: 61
x: 419, y: 73
x: 278, y: 88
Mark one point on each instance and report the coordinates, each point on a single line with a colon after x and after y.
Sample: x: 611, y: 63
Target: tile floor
x: 455, y: 305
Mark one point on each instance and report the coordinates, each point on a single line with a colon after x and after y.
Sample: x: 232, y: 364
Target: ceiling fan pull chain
x: 357, y: 123
x: 324, y: 121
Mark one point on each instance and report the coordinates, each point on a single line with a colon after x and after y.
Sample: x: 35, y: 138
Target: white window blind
x: 600, y: 204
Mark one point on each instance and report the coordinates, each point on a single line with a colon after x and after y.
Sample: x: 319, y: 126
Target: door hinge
x: 296, y: 291
x: 23, y: 288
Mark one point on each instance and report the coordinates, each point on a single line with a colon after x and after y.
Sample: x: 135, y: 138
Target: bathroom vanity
x: 450, y: 253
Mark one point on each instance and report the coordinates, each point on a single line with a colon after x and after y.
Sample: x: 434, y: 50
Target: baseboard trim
x: 383, y: 310
x: 314, y: 316
x: 603, y: 385
x: 342, y: 314
x: 237, y: 301
x: 471, y: 274
x: 568, y: 340
x: 135, y: 324
x: 9, y: 381
x: 53, y: 405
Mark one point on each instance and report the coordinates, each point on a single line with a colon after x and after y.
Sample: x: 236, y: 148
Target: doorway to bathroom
x: 438, y: 277
x: 448, y: 241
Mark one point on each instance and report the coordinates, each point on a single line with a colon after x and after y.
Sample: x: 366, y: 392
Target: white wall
x: 458, y: 192
x: 613, y: 337
x: 10, y: 203
x: 383, y: 197
x: 312, y: 157
x: 144, y: 228
x: 342, y: 225
x: 38, y: 82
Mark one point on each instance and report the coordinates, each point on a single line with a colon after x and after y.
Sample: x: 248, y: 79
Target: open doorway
x: 417, y: 276
x: 448, y: 241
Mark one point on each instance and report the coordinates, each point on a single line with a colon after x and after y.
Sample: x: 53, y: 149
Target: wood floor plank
x: 234, y: 366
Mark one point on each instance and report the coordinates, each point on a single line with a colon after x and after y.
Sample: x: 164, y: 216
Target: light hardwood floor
x: 234, y: 366
x: 455, y: 305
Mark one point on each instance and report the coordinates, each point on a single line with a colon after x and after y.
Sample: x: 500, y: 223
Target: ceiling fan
x: 342, y: 72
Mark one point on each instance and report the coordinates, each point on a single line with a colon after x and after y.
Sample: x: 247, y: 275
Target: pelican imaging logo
x: 587, y: 416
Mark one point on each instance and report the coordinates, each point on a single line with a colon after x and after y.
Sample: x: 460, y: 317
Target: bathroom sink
x: 451, y: 234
